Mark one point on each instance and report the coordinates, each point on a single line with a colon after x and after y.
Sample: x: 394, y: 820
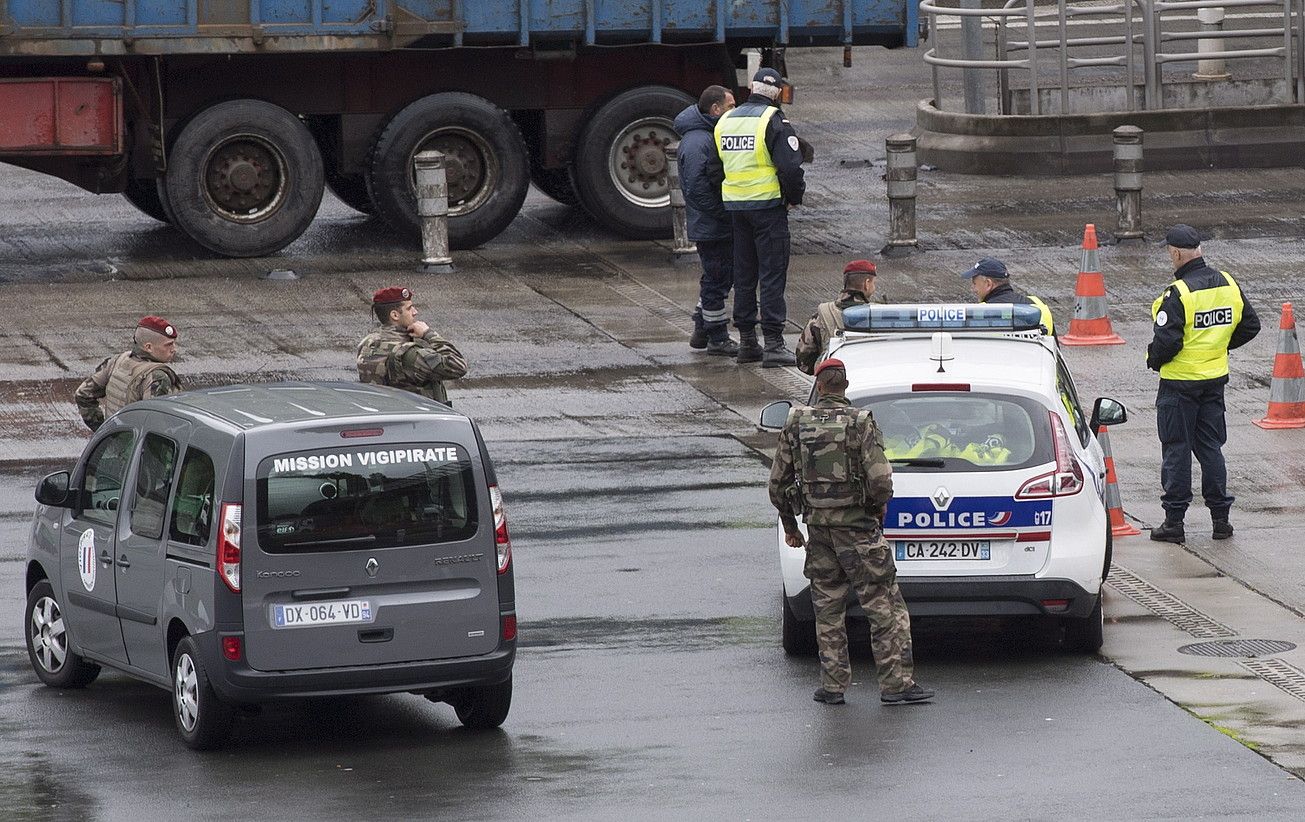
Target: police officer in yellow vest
x: 1200, y: 317
x: 990, y: 282
x: 133, y: 375
x: 759, y: 168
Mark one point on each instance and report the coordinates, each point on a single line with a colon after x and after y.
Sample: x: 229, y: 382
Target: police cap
x: 159, y: 326
x: 1183, y: 236
x: 768, y: 76
x: 832, y: 362
x: 393, y: 294
x: 987, y: 267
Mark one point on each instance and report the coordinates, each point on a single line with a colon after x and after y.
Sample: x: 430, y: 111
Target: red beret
x: 159, y: 325
x: 864, y: 266
x: 393, y: 294
x: 829, y: 363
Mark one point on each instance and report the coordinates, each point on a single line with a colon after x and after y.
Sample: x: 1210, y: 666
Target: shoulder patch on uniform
x: 1162, y: 318
x: 793, y: 142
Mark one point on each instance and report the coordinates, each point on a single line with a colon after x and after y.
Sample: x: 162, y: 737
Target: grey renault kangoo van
x: 248, y: 543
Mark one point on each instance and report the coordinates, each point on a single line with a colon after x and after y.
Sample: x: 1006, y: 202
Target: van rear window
x: 365, y: 497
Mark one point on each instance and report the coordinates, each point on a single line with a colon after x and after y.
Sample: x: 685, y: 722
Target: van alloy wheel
x: 49, y: 647
x: 49, y: 636
x: 186, y: 692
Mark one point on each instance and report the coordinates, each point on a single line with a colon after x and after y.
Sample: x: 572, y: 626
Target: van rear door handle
x: 376, y: 635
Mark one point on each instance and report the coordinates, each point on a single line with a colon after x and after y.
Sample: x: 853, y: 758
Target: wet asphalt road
x: 650, y: 682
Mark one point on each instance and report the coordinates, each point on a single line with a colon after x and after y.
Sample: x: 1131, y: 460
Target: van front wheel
x: 203, y: 720
x: 484, y: 707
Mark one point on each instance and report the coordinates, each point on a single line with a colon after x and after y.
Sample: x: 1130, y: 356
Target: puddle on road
x: 656, y: 635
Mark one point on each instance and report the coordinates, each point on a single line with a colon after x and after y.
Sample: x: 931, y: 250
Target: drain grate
x: 1238, y: 648
x: 652, y: 301
x: 1279, y: 674
x: 792, y: 382
x: 1166, y: 606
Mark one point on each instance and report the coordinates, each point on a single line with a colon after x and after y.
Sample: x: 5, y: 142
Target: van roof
x: 253, y: 406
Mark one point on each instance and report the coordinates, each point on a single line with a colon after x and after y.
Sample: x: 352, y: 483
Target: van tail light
x: 502, y: 541
x: 229, y: 546
x: 509, y: 627
x: 1067, y: 479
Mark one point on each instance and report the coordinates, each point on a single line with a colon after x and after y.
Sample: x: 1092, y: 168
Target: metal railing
x: 1143, y: 25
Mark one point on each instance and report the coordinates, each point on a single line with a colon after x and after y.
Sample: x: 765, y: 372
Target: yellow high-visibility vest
x: 1209, y: 318
x: 749, y: 170
x: 1047, y: 321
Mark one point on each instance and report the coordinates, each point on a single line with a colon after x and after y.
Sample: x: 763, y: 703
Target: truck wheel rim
x: 186, y: 692
x: 245, y: 178
x: 471, y: 168
x: 637, y: 162
x: 49, y: 637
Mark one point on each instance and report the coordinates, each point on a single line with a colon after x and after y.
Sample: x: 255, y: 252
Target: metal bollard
x: 901, y: 177
x: 683, y: 247
x: 433, y: 210
x: 1212, y: 68
x: 1128, y: 182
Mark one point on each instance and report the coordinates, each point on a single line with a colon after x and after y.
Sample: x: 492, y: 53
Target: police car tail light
x: 229, y: 546
x: 502, y: 541
x: 1067, y: 479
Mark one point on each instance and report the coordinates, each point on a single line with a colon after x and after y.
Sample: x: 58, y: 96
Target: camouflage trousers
x: 839, y: 558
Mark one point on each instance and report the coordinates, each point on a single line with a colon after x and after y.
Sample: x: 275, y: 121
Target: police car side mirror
x: 774, y: 416
x: 1107, y: 412
x: 53, y: 490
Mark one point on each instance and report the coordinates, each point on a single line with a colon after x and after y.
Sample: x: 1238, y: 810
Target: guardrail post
x: 1214, y: 68
x: 901, y: 176
x: 433, y: 210
x: 972, y: 31
x: 1128, y: 182
x: 682, y: 247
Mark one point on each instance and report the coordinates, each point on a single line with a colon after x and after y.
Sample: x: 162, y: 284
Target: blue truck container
x: 228, y: 118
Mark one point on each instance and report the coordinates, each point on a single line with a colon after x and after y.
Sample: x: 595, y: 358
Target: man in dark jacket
x: 758, y: 166
x: 709, y: 224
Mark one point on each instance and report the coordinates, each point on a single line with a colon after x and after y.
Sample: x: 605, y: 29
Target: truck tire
x: 244, y: 178
x: 144, y: 194
x: 556, y: 183
x: 488, y: 169
x: 352, y: 191
x: 620, y: 164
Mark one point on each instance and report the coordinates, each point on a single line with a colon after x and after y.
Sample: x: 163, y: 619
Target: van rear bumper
x: 236, y: 682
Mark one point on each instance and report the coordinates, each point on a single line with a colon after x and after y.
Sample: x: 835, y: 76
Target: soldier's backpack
x: 828, y: 457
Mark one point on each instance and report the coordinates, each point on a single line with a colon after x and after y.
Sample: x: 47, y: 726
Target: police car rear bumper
x: 975, y: 596
x: 238, y: 683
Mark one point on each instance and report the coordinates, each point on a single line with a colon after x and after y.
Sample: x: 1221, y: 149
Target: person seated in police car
x: 827, y: 322
x: 990, y: 282
x: 404, y: 352
x: 134, y: 375
x: 1200, y: 317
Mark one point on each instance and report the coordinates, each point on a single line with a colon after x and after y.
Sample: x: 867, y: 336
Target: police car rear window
x: 365, y: 497
x: 962, y: 431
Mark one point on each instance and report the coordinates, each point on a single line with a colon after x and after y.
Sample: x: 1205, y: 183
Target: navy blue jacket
x: 702, y: 205
x: 785, y: 153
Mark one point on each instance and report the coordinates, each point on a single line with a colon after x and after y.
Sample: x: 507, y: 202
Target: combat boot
x: 828, y: 697
x: 776, y: 354
x: 719, y: 343
x: 915, y: 693
x: 749, y: 348
x: 698, y: 339
x: 1171, y: 531
x: 1222, y: 527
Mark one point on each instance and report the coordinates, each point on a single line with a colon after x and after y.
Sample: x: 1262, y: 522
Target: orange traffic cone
x: 1119, y: 526
x: 1091, y: 323
x: 1287, y: 390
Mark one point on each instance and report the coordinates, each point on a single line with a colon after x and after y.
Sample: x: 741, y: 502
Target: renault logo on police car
x: 372, y: 566
x: 941, y: 498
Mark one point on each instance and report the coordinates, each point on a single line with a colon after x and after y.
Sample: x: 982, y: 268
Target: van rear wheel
x: 203, y: 720
x: 485, y: 707
x: 47, y: 643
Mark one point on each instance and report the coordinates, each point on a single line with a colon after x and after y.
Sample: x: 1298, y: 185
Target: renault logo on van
x: 941, y: 498
x: 372, y: 566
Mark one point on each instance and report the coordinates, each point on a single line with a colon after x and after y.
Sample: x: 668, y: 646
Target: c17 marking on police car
x: 389, y: 456
x: 1213, y: 317
x: 738, y: 142
x: 924, y: 513
x: 86, y: 559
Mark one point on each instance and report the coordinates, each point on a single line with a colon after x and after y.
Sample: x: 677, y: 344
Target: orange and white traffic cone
x: 1091, y: 323
x: 1287, y: 390
x: 1119, y: 526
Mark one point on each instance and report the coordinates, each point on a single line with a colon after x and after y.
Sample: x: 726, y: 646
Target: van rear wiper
x: 922, y: 462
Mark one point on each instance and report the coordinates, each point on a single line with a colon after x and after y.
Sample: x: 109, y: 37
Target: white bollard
x: 682, y: 247
x: 1214, y: 68
x: 433, y: 209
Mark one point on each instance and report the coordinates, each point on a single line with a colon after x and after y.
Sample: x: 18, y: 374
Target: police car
x: 255, y: 542
x: 998, y: 506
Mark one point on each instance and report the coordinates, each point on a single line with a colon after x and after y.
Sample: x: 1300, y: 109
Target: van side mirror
x: 53, y: 490
x: 1107, y: 412
x: 774, y: 416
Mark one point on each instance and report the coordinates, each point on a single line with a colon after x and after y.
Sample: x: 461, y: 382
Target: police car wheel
x: 144, y: 195
x: 203, y: 720
x: 47, y: 643
x: 486, y: 166
x: 485, y: 707
x: 620, y: 162
x: 799, y: 636
x: 1086, y: 635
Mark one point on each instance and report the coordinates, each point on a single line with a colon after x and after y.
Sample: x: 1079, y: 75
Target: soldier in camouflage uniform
x: 831, y: 463
x: 133, y: 375
x: 403, y: 352
x: 827, y: 322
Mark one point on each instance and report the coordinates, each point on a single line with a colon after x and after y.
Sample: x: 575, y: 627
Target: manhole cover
x: 1238, y: 648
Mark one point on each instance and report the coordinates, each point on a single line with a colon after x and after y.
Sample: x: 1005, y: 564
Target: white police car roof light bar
x: 962, y: 317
